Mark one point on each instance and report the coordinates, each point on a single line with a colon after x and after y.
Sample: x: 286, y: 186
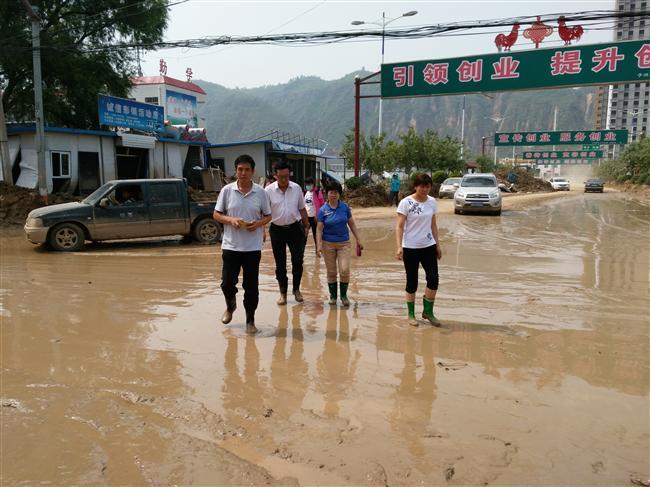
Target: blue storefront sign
x: 120, y: 112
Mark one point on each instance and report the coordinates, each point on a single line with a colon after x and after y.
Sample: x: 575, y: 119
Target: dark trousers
x: 233, y: 262
x: 292, y: 236
x: 394, y: 197
x: 312, y: 224
x: 413, y: 259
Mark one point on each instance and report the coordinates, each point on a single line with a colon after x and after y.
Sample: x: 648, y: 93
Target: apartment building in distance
x: 627, y: 105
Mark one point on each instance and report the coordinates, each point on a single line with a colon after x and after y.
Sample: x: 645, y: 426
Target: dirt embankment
x: 17, y: 202
x: 640, y: 191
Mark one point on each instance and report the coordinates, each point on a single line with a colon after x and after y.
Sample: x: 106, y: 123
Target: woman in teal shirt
x: 333, y: 241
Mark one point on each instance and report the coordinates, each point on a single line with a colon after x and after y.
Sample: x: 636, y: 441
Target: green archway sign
x: 596, y: 64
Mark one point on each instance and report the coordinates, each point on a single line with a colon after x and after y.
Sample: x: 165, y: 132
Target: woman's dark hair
x: 422, y: 179
x: 245, y: 159
x: 334, y: 186
x: 309, y: 180
x: 278, y: 166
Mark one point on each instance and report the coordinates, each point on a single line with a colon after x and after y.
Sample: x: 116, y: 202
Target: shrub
x: 439, y: 176
x: 353, y: 183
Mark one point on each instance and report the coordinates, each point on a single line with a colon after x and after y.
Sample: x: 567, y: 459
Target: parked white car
x: 448, y: 187
x: 560, y: 184
x: 478, y: 193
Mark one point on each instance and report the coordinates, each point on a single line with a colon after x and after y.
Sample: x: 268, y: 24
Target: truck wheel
x: 67, y: 237
x: 497, y: 212
x: 207, y: 231
x: 457, y: 211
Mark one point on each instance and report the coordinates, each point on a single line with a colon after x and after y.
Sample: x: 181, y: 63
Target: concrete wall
x: 166, y: 159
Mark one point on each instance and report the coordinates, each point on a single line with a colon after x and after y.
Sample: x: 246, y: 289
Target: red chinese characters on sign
x: 566, y: 155
x: 468, y: 71
x: 436, y: 73
x: 607, y: 57
x: 553, y: 155
x: 592, y: 154
x: 506, y: 68
x: 566, y: 62
x: 594, y: 136
x: 517, y: 138
x: 580, y: 137
x: 403, y: 75
x: 565, y: 137
x: 504, y: 138
x: 545, y: 138
x: 531, y: 137
x: 643, y: 55
x: 610, y: 136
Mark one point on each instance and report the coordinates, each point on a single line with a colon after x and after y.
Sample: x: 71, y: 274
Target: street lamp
x: 497, y: 118
x: 462, y: 125
x: 383, y: 25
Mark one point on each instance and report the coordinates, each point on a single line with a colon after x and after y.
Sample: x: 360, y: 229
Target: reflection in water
x: 289, y: 373
x: 414, y: 397
x: 336, y: 366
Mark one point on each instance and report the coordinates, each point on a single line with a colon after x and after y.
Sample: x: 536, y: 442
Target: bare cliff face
x: 325, y: 109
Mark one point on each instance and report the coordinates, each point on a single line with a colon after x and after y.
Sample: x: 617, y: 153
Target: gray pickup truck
x: 127, y: 208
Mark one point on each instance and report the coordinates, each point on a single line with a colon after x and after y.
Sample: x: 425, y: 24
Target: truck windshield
x: 478, y: 182
x: 94, y: 197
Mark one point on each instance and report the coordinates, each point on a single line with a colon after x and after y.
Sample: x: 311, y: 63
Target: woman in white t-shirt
x: 417, y: 242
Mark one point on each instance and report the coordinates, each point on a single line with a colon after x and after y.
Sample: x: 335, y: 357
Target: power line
x: 323, y: 38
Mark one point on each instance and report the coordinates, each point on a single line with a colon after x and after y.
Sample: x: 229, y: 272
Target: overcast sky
x: 248, y: 66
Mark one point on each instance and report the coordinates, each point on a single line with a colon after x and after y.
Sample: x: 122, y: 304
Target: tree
x: 485, y: 164
x: 76, y: 65
x: 636, y: 158
x: 373, y: 155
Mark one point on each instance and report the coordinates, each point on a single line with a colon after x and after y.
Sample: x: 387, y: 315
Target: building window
x: 60, y: 164
x: 641, y: 33
x: 151, y: 99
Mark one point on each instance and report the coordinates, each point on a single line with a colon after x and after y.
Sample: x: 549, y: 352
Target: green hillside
x: 313, y: 107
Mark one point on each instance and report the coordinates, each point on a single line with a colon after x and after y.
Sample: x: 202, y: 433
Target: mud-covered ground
x: 117, y: 371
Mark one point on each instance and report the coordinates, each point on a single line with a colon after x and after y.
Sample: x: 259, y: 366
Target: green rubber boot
x: 427, y: 313
x: 344, y: 294
x: 410, y: 305
x: 332, y: 287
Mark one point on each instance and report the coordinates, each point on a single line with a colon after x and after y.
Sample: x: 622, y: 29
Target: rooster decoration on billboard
x: 537, y: 32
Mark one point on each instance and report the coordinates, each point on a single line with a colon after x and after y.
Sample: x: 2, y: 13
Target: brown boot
x: 298, y: 295
x: 250, y: 323
x: 231, y: 306
x: 282, y: 300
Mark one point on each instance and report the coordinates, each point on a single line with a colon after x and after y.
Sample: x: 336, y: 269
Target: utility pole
x: 4, y: 147
x: 462, y: 133
x: 38, y: 98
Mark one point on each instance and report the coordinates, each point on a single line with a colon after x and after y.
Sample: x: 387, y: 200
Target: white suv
x: 560, y: 184
x: 478, y: 192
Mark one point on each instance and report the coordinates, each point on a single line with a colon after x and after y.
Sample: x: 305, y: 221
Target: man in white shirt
x: 243, y: 208
x: 289, y: 228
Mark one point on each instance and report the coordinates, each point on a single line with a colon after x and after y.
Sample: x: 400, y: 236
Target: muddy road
x: 116, y: 369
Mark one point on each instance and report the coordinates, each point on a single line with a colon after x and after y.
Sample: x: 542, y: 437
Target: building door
x: 132, y: 162
x: 89, y: 179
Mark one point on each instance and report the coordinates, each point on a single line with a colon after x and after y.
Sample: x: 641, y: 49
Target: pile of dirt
x: 526, y: 181
x: 17, y: 202
x: 366, y: 196
x: 200, y: 195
